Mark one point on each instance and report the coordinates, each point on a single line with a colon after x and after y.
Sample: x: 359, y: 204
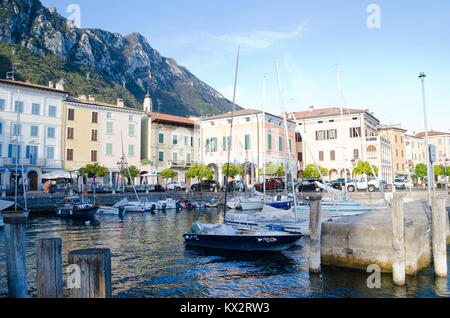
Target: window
x: 396, y: 152
x: 109, y: 149
x: 108, y: 115
x: 51, y: 153
x: 94, y: 135
x: 214, y: 144
x: 51, y: 132
x: 34, y: 131
x: 175, y: 139
x: 14, y: 152
x: 131, y: 150
x: 69, y: 155
x: 300, y: 156
x: 332, y: 155
x: 93, y: 155
x: 161, y: 138
x: 403, y: 167
x: 94, y: 117
x: 298, y: 137
x: 192, y: 141
x: 356, y: 154
x: 0, y: 150
x: 207, y: 145
x: 332, y: 134
x: 320, y: 135
x: 70, y: 133
x: 131, y: 130
x: 32, y: 154
x: 280, y: 144
x: 188, y: 157
x: 440, y: 142
x: 51, y: 111
x: 247, y: 142
x: 161, y: 156
x: 2, y: 105
x: 290, y: 145
x: 16, y: 130
x: 321, y: 157
x: 186, y: 140
x: 1, y: 128
x: 175, y: 156
x: 269, y: 141
x: 398, y: 167
x: 401, y: 139
x: 71, y: 114
x: 355, y: 132
x: 440, y: 153
x: 130, y: 117
x: 226, y: 143
x: 402, y: 154
x: 18, y: 108
x: 109, y: 127
x: 35, y: 109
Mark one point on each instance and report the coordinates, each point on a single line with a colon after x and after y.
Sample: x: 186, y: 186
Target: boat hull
x: 250, y: 243
x: 87, y: 213
x: 105, y: 210
x: 282, y: 205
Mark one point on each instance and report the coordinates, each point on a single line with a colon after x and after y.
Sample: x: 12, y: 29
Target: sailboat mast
x: 128, y: 168
x: 17, y: 150
x: 343, y: 132
x: 231, y: 129
x: 264, y: 136
x: 288, y: 150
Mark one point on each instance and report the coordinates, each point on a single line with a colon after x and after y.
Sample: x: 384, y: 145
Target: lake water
x: 149, y: 259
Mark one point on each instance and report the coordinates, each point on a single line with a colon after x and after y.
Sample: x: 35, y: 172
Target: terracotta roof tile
x: 171, y: 118
x: 432, y: 133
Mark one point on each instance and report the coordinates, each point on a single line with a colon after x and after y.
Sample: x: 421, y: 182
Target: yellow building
x: 396, y: 135
x: 80, y: 131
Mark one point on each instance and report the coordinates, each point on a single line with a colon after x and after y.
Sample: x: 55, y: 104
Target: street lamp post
x: 429, y: 166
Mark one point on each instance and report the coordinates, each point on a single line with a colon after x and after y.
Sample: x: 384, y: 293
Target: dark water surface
x: 149, y: 259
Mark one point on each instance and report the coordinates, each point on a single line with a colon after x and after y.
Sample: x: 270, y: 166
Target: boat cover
x: 5, y: 204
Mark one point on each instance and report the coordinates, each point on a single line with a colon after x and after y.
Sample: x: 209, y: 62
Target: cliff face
x: 128, y: 60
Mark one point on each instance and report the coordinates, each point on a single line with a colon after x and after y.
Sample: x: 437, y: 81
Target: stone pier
x: 359, y: 241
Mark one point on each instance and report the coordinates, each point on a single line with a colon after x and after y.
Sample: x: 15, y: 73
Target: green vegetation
x: 134, y: 172
x: 421, y: 170
x: 312, y: 172
x: 201, y: 172
x: 272, y: 170
x: 233, y: 171
x: 364, y: 168
x: 93, y: 171
x: 41, y: 70
x: 168, y: 174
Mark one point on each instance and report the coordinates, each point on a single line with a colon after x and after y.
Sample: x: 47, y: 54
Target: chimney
x: 311, y: 108
x: 50, y: 84
x: 82, y: 97
x: 60, y: 85
x: 120, y: 102
x: 92, y: 98
x: 367, y: 110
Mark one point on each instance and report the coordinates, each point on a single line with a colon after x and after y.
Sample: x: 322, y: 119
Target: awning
x: 2, y: 169
x: 17, y: 170
x: 59, y: 174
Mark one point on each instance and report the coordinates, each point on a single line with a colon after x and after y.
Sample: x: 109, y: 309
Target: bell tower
x: 148, y: 105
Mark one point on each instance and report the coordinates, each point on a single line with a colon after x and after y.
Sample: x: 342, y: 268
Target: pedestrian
x: 27, y: 184
x: 46, y: 187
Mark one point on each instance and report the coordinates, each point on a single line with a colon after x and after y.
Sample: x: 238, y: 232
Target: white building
x: 30, y: 130
x: 338, y: 144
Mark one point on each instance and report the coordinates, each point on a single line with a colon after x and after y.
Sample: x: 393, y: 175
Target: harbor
x: 149, y: 260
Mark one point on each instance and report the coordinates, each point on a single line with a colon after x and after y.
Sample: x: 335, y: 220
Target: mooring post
x: 398, y: 241
x: 95, y: 269
x: 49, y: 277
x: 315, y: 229
x: 15, y: 251
x: 439, y: 235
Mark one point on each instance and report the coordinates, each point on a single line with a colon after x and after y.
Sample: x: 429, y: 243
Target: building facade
x: 250, y: 145
x: 30, y: 131
x: 96, y: 132
x: 397, y: 136
x: 337, y: 141
x: 415, y: 152
x: 168, y: 142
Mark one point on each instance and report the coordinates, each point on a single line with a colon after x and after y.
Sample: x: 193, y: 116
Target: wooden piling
x: 439, y: 236
x: 398, y: 241
x: 15, y: 251
x: 49, y: 277
x: 315, y: 228
x: 95, y: 266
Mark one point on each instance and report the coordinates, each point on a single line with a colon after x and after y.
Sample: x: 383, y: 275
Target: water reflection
x: 150, y: 259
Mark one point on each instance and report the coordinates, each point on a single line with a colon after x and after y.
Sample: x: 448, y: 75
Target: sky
x: 379, y: 47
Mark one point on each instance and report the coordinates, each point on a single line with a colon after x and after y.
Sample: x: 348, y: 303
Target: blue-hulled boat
x: 75, y: 207
x: 239, y: 238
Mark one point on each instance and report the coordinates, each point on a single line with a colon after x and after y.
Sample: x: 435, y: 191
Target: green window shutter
x: 131, y: 150
x: 247, y: 142
x: 207, y: 145
x: 109, y: 149
x: 131, y: 129
x: 280, y: 142
x: 109, y: 127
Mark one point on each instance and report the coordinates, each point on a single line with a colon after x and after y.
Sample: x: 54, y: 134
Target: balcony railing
x: 44, y: 163
x: 182, y: 163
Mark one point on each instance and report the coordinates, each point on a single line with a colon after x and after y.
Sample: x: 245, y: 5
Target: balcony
x: 42, y: 163
x: 181, y: 164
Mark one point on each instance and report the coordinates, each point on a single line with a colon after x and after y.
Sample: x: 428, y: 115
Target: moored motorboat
x: 77, y: 208
x: 239, y: 238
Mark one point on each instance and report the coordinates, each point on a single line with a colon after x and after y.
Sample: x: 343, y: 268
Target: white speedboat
x: 113, y: 210
x: 135, y: 206
x: 246, y: 203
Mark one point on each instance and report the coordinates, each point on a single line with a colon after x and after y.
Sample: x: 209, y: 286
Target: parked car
x: 235, y: 185
x: 205, y: 185
x: 275, y: 184
x: 309, y: 185
x: 363, y: 184
x: 400, y: 184
x: 176, y: 185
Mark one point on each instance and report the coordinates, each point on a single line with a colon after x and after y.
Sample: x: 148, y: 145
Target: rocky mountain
x: 127, y: 61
